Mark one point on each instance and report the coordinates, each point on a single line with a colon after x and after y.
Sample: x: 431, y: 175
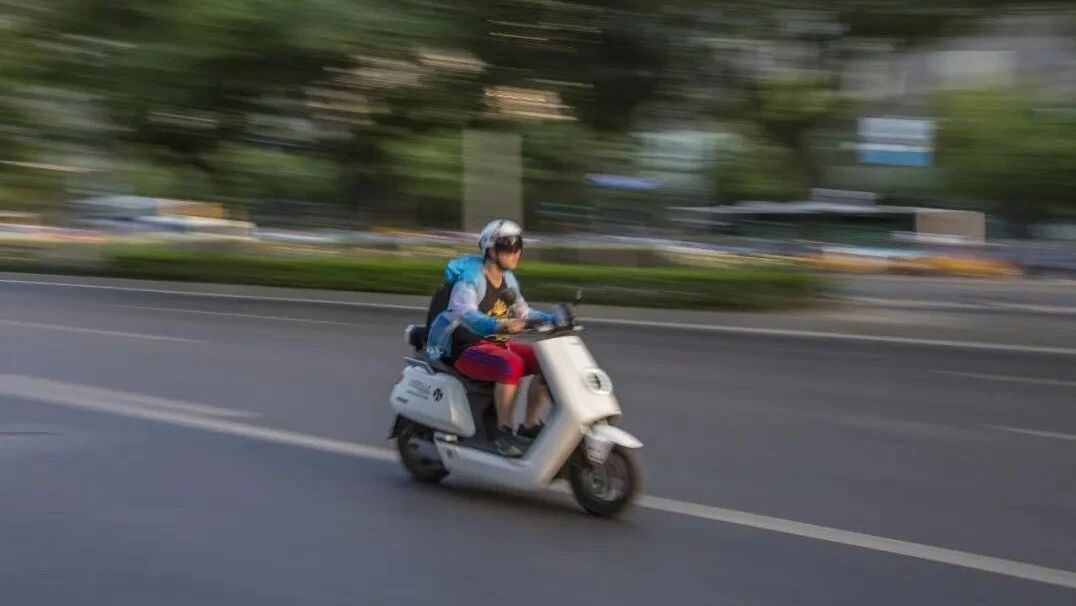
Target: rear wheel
x: 609, y: 489
x: 418, y: 454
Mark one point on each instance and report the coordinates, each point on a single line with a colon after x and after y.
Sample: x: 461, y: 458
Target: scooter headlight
x: 598, y: 381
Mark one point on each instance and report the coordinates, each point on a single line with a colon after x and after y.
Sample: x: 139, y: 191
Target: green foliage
x: 248, y: 172
x: 750, y: 167
x: 429, y: 166
x: 742, y: 289
x: 359, y: 103
x: 786, y: 110
x: 1003, y: 148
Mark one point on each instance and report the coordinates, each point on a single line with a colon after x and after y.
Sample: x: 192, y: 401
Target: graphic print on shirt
x: 499, y: 312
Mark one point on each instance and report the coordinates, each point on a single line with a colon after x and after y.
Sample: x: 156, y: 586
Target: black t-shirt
x: 493, y: 305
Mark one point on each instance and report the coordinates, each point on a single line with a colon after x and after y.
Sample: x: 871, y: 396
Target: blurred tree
x: 913, y: 21
x: 556, y: 159
x: 217, y: 93
x: 184, y: 84
x: 15, y: 54
x: 13, y: 126
x: 780, y: 65
x: 166, y: 180
x: 428, y: 171
x: 1001, y: 148
x: 787, y: 109
x: 248, y: 172
x: 751, y: 167
x: 602, y: 59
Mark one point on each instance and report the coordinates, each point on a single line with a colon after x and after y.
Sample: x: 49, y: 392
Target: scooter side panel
x: 536, y: 468
x: 463, y: 461
x: 575, y: 380
x: 438, y: 401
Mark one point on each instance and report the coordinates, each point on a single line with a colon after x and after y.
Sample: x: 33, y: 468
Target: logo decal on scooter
x: 418, y: 389
x: 438, y: 394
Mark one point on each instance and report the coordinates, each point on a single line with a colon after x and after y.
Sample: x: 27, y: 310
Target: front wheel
x: 609, y: 489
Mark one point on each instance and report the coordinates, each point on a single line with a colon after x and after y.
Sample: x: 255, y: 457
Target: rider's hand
x: 513, y: 326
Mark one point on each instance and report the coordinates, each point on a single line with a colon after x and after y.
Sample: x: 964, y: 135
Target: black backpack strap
x: 439, y: 302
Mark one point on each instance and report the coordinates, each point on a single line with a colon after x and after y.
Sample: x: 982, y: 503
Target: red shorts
x: 498, y: 362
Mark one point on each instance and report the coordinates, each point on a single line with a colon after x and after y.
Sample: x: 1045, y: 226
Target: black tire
x: 585, y: 479
x: 420, y: 468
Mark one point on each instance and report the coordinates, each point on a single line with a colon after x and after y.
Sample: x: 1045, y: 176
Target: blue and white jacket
x: 469, y: 288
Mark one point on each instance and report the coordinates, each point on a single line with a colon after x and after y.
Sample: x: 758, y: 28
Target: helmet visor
x: 508, y: 244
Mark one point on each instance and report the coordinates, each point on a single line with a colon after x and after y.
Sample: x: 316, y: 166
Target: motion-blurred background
x: 911, y: 137
x: 891, y: 181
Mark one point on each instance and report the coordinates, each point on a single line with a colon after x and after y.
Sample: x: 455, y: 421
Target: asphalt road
x: 1044, y: 296
x: 256, y: 475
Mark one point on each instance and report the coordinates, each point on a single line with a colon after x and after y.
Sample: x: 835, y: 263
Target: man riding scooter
x: 472, y: 332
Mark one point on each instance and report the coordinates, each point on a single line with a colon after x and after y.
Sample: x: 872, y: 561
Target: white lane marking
x: 1037, y: 433
x: 1008, y: 378
x: 911, y: 303
x: 179, y: 310
x: 784, y: 332
x: 21, y: 386
x: 943, y: 305
x: 95, y: 331
x: 780, y: 332
x: 1010, y: 568
x: 1036, y: 308
x: 59, y: 392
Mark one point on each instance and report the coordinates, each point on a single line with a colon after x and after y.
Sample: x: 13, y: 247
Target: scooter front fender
x: 601, y: 438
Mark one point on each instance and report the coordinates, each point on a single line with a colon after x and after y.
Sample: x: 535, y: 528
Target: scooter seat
x: 416, y: 337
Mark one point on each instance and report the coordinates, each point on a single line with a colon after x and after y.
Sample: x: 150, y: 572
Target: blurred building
x: 134, y: 207
x: 1033, y: 51
x: 837, y: 217
x: 159, y: 215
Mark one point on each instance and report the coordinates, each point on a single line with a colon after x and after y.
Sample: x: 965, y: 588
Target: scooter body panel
x: 575, y: 380
x: 436, y: 400
x: 582, y: 395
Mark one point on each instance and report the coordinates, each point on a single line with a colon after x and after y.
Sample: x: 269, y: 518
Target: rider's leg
x: 504, y: 399
x: 537, y: 397
x: 495, y: 363
x: 504, y: 396
x: 538, y: 394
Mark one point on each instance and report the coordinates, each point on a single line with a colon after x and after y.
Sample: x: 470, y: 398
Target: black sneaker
x: 506, y: 443
x: 529, y: 433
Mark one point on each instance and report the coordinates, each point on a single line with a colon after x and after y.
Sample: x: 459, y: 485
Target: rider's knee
x: 513, y: 372
x: 538, y: 383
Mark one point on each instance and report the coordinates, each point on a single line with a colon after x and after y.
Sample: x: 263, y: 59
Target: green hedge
x: 641, y: 287
x: 744, y: 289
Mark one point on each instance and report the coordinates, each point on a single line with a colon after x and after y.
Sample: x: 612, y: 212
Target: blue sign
x: 895, y: 155
x: 896, y: 141
x: 621, y: 182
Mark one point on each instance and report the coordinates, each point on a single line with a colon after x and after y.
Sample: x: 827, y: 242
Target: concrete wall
x: 967, y: 224
x: 492, y: 178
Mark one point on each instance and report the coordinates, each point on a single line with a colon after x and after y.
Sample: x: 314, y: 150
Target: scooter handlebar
x: 564, y: 322
x: 549, y: 329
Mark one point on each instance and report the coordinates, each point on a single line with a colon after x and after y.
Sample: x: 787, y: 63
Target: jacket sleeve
x: 463, y: 307
x: 522, y: 309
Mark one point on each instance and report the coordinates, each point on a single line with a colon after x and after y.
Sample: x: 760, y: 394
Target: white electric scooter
x: 445, y: 421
